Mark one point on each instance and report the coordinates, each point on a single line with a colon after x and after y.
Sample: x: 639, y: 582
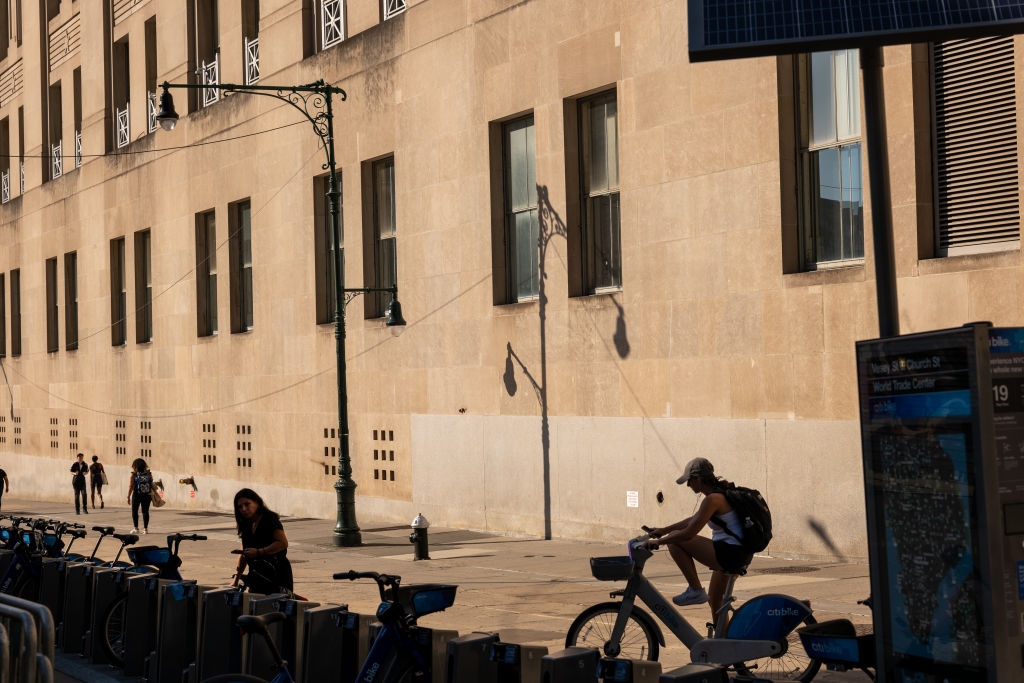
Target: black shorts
x: 732, y: 558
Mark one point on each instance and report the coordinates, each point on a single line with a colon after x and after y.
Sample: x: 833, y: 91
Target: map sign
x: 921, y: 456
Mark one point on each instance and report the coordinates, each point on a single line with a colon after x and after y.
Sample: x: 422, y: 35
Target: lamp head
x: 166, y: 116
x: 395, y: 322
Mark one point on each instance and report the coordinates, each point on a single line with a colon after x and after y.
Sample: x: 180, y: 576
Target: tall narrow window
x: 143, y: 288
x: 520, y: 183
x: 71, y: 300
x: 151, y: 101
x: 599, y: 170
x: 831, y: 189
x: 977, y: 202
x: 121, y: 89
x: 16, y: 312
x: 251, y: 40
x: 118, y: 294
x: 21, y: 150
x: 330, y: 22
x: 5, y: 159
x: 6, y: 30
x: 207, y: 46
x: 240, y: 255
x: 3, y: 316
x: 206, y: 274
x: 52, y: 340
x: 324, y: 248
x: 54, y: 132
x: 76, y: 83
x: 384, y: 256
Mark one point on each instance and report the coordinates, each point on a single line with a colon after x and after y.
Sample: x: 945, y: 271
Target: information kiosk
x: 935, y: 519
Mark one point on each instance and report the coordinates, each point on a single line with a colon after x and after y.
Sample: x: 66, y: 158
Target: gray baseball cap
x: 698, y: 467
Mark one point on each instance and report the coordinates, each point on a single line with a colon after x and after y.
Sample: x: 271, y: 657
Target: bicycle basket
x: 149, y: 554
x: 611, y: 568
x: 426, y: 598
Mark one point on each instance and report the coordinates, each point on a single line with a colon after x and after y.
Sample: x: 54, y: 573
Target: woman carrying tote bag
x: 141, y: 491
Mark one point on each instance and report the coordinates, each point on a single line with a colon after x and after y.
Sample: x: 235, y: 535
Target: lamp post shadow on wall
x: 314, y: 101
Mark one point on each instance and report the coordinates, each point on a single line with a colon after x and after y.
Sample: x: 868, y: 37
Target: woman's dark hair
x: 715, y: 482
x: 261, y: 509
x: 139, y: 465
x: 95, y: 458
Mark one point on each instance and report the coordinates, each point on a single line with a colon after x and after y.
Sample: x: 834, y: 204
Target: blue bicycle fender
x: 767, y: 617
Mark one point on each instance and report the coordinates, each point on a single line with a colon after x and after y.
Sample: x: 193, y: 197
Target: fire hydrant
x: 418, y: 537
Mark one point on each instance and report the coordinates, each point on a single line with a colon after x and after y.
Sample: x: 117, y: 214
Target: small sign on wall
x: 632, y: 499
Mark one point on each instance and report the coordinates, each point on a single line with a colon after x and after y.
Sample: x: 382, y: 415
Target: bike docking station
x: 942, y: 432
x: 287, y: 634
x: 478, y: 657
x: 108, y: 585
x: 322, y: 636
x: 610, y: 670
x: 432, y: 644
x: 571, y: 665
x: 174, y: 658
x: 221, y: 645
x: 697, y: 673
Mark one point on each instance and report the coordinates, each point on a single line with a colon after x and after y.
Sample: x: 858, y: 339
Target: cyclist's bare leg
x: 716, y: 591
x: 685, y: 552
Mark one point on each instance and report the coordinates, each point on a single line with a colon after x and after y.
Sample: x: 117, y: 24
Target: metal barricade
x: 517, y: 663
x: 469, y: 658
x: 178, y: 617
x: 221, y: 646
x: 571, y: 665
x: 612, y: 670
x: 323, y: 643
x: 696, y: 673
x: 23, y: 646
x: 44, y: 654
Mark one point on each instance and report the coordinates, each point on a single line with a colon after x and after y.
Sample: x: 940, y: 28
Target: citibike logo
x: 372, y: 673
x: 783, y: 612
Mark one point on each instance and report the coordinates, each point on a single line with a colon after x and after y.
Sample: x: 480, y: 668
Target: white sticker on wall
x: 632, y: 499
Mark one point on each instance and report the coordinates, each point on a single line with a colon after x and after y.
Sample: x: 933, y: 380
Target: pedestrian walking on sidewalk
x: 140, y: 494
x: 78, y: 471
x: 97, y: 478
x: 5, y: 486
x: 264, y: 546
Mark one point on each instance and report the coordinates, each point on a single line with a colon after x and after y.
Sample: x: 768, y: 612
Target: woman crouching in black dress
x: 264, y: 546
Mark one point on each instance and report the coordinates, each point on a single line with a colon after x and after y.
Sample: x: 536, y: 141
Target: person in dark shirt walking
x: 264, y: 546
x: 78, y: 471
x: 5, y: 486
x: 97, y: 478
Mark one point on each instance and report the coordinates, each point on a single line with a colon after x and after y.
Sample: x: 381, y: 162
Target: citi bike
x: 759, y: 639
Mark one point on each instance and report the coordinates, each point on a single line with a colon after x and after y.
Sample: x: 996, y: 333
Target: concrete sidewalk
x: 528, y: 590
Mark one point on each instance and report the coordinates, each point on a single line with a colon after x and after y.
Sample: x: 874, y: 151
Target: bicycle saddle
x: 259, y: 623
x: 105, y: 530
x: 127, y: 539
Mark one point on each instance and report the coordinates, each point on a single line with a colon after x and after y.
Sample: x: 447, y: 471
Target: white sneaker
x: 691, y: 597
x: 145, y: 531
x: 134, y: 531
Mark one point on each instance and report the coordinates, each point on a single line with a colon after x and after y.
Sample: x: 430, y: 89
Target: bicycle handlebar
x: 352, y: 575
x: 183, y: 537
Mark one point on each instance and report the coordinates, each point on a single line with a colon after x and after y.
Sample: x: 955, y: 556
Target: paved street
x: 527, y: 590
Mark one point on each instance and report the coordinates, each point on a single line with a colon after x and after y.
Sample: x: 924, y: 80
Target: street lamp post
x: 314, y: 101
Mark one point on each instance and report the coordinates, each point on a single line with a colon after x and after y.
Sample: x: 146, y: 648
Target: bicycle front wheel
x: 593, y: 628
x: 792, y: 664
x: 114, y: 630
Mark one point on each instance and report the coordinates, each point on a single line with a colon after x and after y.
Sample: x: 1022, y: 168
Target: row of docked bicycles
x: 37, y: 557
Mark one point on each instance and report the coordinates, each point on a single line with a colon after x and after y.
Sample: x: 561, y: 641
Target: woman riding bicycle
x: 722, y: 552
x: 264, y: 546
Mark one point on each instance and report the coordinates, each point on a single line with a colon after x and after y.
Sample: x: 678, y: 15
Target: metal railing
x: 123, y: 129
x: 151, y: 112
x: 56, y: 161
x: 78, y: 149
x: 210, y: 73
x: 252, y: 60
x: 5, y: 186
x: 332, y: 22
x: 393, y: 8
x: 30, y: 648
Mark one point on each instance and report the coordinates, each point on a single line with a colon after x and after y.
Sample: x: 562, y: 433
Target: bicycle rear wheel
x: 114, y: 630
x: 792, y: 664
x: 593, y: 628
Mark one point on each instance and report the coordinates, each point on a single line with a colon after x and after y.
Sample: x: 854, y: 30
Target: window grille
x: 976, y: 160
x: 252, y: 61
x: 393, y: 8
x: 332, y: 22
x: 211, y: 76
x: 78, y: 149
x: 122, y: 126
x: 151, y: 111
x: 5, y: 186
x: 57, y: 159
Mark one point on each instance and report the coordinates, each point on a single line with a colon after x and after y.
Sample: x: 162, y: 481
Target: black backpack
x: 754, y: 516
x: 143, y: 481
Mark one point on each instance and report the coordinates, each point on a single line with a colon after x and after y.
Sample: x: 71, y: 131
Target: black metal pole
x: 346, y: 530
x: 871, y: 63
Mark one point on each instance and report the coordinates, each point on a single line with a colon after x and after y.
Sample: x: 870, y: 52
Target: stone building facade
x: 610, y: 260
